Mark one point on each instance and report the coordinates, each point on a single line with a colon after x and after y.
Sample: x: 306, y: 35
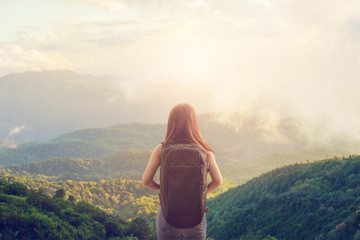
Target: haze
x: 293, y: 58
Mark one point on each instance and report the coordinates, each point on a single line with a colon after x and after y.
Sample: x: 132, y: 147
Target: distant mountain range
x: 49, y: 103
x: 38, y: 106
x: 127, y: 164
x: 255, y: 147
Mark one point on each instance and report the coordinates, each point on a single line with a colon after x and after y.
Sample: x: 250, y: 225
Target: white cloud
x: 15, y: 58
x: 16, y: 130
x: 108, y: 5
x: 8, y: 143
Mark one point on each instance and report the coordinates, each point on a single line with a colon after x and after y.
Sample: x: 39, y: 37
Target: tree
x: 35, y: 197
x: 15, y: 188
x: 60, y: 193
x: 72, y: 199
x: 141, y: 229
x: 113, y: 228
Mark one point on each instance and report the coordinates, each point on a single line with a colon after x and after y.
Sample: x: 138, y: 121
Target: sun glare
x: 190, y: 59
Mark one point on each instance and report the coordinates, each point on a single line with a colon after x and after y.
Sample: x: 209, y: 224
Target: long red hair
x: 183, y: 124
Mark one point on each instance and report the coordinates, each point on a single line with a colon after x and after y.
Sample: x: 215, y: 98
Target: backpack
x: 183, y: 184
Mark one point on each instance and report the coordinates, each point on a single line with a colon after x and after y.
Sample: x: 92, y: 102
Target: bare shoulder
x: 210, y: 156
x: 157, y: 150
x: 158, y: 147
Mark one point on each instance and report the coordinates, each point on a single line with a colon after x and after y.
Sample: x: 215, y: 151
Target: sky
x: 262, y: 57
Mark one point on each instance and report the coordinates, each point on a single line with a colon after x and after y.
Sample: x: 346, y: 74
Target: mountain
x: 240, y: 173
x: 136, y: 135
x: 128, y: 164
x: 319, y: 200
x: 242, y: 136
x: 246, y: 146
x: 49, y: 103
x: 38, y: 106
x: 40, y: 151
x: 245, y: 137
x: 93, y: 143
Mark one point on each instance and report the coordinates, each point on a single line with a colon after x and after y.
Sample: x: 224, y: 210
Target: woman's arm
x: 216, y: 178
x: 150, y: 171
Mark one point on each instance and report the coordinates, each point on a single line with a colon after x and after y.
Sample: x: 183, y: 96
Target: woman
x: 182, y: 124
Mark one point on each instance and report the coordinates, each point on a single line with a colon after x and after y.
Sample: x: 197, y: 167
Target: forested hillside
x: 88, y: 143
x: 40, y: 151
x: 318, y: 200
x: 127, y: 198
x: 30, y: 214
x: 121, y: 136
x: 128, y: 164
x: 242, y: 172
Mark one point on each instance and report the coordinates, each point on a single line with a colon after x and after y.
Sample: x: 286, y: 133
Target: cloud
x: 8, y: 143
x: 117, y: 23
x: 15, y: 58
x: 16, y: 130
x: 108, y: 5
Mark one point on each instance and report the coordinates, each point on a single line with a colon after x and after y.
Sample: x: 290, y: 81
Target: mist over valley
x: 61, y: 114
x: 80, y: 134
